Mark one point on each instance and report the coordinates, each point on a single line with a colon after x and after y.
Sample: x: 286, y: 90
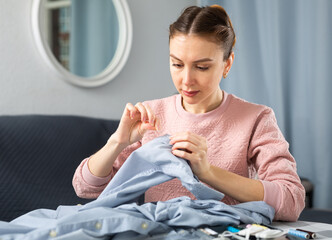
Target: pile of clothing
x: 116, y: 215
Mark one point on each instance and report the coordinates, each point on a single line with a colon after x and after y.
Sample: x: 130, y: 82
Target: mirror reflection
x: 82, y: 34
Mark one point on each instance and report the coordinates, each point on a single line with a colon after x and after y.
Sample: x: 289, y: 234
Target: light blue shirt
x: 115, y: 213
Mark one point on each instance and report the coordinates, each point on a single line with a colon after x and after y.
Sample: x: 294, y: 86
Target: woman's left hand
x: 192, y: 147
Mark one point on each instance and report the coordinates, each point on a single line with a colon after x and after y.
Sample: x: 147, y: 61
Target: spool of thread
x: 297, y: 233
x: 233, y: 229
x: 312, y: 235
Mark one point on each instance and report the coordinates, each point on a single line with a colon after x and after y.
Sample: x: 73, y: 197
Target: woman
x: 232, y: 145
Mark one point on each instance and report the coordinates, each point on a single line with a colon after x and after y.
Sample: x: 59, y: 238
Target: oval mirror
x: 85, y: 42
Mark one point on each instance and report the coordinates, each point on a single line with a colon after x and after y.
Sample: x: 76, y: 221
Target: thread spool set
x: 302, y: 233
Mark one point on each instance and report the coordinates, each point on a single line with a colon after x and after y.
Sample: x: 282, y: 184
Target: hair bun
x: 210, y: 20
x: 217, y: 6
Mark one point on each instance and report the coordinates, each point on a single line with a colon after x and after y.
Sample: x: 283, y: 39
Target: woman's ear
x: 229, y: 63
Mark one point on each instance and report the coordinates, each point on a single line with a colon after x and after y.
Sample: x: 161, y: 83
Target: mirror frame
x: 114, y: 67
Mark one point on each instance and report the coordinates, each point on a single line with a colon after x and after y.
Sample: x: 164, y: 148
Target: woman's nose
x: 188, y: 78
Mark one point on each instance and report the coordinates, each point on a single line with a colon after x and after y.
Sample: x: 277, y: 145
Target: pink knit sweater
x: 242, y: 137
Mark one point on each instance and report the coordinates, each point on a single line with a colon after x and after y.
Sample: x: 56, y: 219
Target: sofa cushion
x: 38, y: 157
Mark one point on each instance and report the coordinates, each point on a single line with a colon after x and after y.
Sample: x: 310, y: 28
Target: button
x: 53, y: 233
x: 98, y: 225
x: 144, y: 225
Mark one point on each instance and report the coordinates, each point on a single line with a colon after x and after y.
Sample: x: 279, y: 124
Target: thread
x: 297, y: 233
x: 233, y: 229
x: 312, y: 235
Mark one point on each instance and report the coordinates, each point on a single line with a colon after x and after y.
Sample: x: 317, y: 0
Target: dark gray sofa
x: 38, y: 157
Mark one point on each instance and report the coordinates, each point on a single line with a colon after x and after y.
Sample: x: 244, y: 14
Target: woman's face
x: 197, y: 66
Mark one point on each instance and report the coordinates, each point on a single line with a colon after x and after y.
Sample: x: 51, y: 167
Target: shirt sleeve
x: 276, y: 168
x: 87, y: 185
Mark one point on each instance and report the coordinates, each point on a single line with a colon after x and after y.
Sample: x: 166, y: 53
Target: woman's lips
x: 190, y: 93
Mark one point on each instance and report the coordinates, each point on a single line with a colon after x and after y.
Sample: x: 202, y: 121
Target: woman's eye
x: 202, y: 68
x: 177, y: 65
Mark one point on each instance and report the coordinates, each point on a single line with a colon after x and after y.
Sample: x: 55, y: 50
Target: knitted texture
x: 242, y: 137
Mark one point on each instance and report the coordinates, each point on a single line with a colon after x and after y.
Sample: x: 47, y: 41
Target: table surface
x: 322, y: 230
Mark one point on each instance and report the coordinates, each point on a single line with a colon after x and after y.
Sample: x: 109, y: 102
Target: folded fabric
x: 110, y: 216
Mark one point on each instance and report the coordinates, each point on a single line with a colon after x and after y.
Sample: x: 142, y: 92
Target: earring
x: 225, y: 75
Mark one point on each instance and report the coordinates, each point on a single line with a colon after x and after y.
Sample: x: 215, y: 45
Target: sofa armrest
x: 309, y: 192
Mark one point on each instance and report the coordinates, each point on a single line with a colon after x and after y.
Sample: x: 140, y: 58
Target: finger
x: 151, y: 116
x: 186, y: 136
x: 143, y: 112
x: 185, y: 146
x: 149, y: 126
x: 195, y: 156
x: 157, y: 124
x: 131, y: 110
x: 182, y: 154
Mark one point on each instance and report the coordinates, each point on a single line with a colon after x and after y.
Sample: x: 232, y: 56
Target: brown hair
x: 212, y: 21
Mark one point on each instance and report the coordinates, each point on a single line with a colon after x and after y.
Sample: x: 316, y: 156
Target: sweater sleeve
x: 276, y: 168
x: 87, y: 185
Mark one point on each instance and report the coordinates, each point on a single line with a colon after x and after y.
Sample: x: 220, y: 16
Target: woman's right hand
x: 135, y: 121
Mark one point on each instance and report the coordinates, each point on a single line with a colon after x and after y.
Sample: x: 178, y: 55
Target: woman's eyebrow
x: 172, y: 56
x: 197, y: 61
x: 203, y: 60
